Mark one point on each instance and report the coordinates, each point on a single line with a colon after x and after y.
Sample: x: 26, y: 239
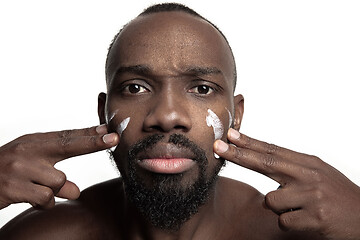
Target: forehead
x: 169, y: 42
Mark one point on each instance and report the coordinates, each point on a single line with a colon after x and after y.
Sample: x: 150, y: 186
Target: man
x: 170, y: 111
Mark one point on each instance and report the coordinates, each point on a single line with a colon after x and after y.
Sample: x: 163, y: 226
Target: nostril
x: 157, y: 128
x: 179, y: 127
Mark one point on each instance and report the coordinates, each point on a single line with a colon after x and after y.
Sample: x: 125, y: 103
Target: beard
x: 167, y: 204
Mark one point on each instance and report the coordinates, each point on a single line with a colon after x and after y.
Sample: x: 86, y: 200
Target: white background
x: 298, y: 68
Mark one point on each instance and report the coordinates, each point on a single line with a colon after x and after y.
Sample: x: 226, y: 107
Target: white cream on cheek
x: 212, y: 120
x: 230, y: 117
x: 108, y: 119
x: 123, y: 125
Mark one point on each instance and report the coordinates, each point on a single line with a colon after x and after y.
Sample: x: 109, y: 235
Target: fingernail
x: 233, y: 134
x: 101, y: 129
x: 221, y: 146
x: 109, y: 138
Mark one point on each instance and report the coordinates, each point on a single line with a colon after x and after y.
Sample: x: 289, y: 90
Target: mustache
x: 179, y: 140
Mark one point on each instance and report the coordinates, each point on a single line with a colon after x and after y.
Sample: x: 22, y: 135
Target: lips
x: 165, y: 158
x: 167, y: 165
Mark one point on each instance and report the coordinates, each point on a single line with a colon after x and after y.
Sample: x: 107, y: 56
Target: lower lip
x: 167, y: 166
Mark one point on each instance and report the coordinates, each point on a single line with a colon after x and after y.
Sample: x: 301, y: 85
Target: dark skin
x: 169, y: 91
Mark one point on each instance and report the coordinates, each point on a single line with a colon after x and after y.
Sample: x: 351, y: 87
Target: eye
x: 135, y: 88
x: 202, y: 89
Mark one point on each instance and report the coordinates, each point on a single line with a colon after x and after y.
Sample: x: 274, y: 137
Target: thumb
x: 69, y: 191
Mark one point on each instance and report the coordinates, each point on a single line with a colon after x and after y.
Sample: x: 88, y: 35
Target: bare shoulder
x: 244, y: 205
x: 85, y: 218
x: 246, y: 212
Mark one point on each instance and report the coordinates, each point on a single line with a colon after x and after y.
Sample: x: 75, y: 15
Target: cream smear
x: 121, y: 128
x: 123, y: 125
x: 212, y: 120
x: 230, y: 117
x: 108, y: 119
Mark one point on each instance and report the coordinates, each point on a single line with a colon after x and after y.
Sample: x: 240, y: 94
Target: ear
x: 101, y: 107
x: 239, y: 111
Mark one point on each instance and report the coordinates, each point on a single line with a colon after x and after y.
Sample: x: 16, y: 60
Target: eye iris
x: 203, y: 89
x: 134, y: 88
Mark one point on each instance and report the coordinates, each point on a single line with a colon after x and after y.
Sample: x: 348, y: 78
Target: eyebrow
x: 138, y: 69
x: 199, y: 71
x: 145, y: 70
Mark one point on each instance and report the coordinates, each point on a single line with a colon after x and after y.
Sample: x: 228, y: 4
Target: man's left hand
x: 313, y: 196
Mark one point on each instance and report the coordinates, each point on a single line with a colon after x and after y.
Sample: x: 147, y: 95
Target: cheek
x: 219, y: 122
x: 121, y: 118
x: 126, y: 126
x: 213, y: 124
x: 124, y: 123
x: 201, y: 133
x: 114, y: 125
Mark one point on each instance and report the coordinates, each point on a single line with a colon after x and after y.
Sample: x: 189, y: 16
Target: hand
x: 313, y: 195
x: 27, y: 172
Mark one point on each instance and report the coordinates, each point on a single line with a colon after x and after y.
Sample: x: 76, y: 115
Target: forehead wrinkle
x: 146, y: 70
x: 199, y: 71
x: 140, y: 69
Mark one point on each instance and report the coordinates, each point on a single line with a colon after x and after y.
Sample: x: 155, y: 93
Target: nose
x: 169, y: 112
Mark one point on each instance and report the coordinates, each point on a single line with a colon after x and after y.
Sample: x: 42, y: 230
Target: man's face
x: 170, y: 94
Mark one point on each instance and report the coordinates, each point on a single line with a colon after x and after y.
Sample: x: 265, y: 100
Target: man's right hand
x: 27, y: 172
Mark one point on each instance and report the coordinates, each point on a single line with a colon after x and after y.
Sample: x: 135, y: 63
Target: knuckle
x: 88, y: 131
x: 7, y: 187
x: 318, y: 195
x: 316, y: 161
x: 64, y: 133
x: 238, y: 154
x: 94, y: 141
x: 19, y: 147
x: 45, y: 196
x: 270, y: 199
x: 315, y: 158
x: 26, y: 137
x: 285, y: 221
x: 313, y: 174
x: 59, y: 179
x: 64, y: 139
x: 321, y: 215
x: 269, y: 161
x: 247, y: 141
x: 271, y: 148
x: 16, y: 166
x: 316, y: 175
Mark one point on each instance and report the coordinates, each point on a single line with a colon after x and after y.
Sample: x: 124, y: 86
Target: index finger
x: 265, y: 164
x: 272, y: 161
x: 241, y: 140
x: 90, y: 131
x: 71, y: 143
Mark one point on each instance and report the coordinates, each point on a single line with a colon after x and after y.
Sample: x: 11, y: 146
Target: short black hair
x: 172, y: 7
x: 169, y: 7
